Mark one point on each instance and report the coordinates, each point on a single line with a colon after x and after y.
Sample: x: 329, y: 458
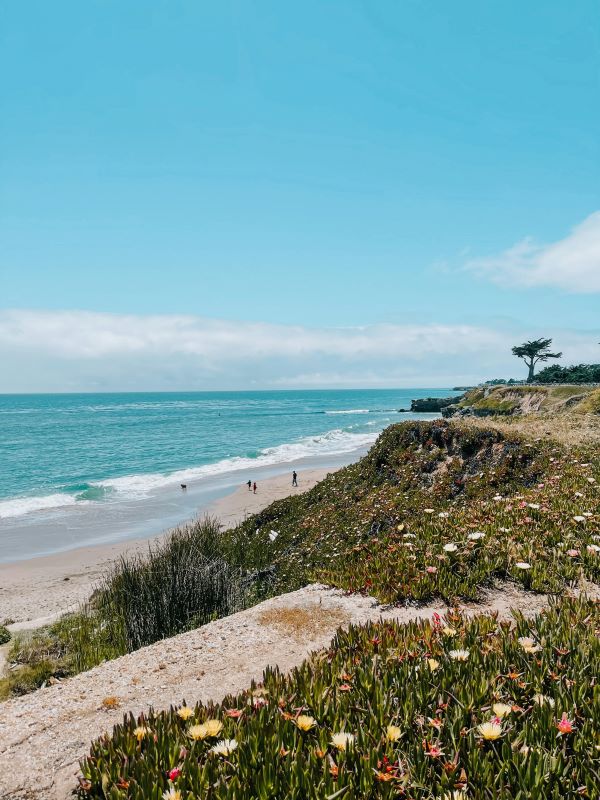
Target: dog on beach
x: 184, y: 486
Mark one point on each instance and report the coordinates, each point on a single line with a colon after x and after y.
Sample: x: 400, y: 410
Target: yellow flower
x: 305, y: 723
x: 213, y: 727
x: 171, y: 794
x: 197, y: 732
x: 140, y: 732
x: 185, y: 713
x: 433, y: 664
x: 501, y: 710
x: 490, y: 731
x: 448, y: 631
x: 393, y: 733
x: 342, y: 740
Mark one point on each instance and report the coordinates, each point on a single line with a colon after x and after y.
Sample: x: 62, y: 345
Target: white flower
x: 522, y: 565
x: 593, y: 548
x: 501, y: 710
x: 591, y: 480
x: 342, y: 740
x: 171, y: 794
x: 224, y: 748
x: 459, y: 655
x: 443, y: 514
x: 579, y: 518
x: 529, y: 645
x: 543, y: 699
x: 273, y: 535
x: 450, y: 547
x: 429, y: 510
x: 476, y: 535
x: 408, y: 536
x: 533, y: 505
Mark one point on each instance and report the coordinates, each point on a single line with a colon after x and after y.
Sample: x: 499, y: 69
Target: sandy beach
x: 36, y: 591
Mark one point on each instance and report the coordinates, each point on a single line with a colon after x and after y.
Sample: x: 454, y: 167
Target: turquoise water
x: 87, y: 451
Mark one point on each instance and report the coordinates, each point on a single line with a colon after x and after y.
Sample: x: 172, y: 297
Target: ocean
x: 78, y: 469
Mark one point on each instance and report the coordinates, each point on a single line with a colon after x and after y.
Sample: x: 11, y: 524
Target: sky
x: 268, y: 195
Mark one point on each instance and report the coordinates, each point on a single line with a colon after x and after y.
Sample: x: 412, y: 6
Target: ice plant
x: 433, y: 664
x: 524, y: 565
x: 459, y: 655
x: 490, y: 731
x: 185, y: 713
x: 224, y: 747
x: 543, y: 699
x: 393, y: 733
x: 140, y: 732
x: 342, y: 740
x: 565, y: 725
x: 501, y: 710
x: 450, y: 547
x: 305, y: 723
x: 529, y: 645
x: 172, y: 794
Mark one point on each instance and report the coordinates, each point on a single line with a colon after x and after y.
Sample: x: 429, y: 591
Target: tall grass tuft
x: 183, y: 581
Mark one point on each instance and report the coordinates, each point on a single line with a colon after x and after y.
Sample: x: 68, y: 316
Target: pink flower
x: 565, y: 725
x: 174, y: 774
x: 431, y: 570
x: 573, y: 553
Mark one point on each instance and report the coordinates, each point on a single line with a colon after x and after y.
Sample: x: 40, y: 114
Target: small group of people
x: 252, y: 484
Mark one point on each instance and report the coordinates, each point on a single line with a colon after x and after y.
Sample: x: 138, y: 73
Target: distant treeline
x: 576, y: 373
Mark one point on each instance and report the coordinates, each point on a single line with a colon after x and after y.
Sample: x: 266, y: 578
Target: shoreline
x: 37, y: 591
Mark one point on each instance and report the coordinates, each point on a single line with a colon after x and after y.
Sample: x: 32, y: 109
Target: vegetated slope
x: 452, y: 709
x: 523, y: 400
x: 435, y: 509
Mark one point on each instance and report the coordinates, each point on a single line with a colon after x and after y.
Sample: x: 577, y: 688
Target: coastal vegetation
x: 450, y: 709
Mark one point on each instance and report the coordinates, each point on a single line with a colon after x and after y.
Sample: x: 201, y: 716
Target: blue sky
x: 319, y: 165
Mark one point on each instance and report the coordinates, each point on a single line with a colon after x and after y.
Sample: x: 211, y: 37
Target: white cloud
x: 572, y: 263
x: 90, y: 351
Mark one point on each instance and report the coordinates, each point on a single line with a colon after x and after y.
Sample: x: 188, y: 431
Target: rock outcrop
x: 432, y: 404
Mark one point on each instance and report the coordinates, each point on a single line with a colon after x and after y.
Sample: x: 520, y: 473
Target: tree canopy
x: 534, y: 351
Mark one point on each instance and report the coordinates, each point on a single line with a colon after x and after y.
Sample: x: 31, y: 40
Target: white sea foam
x: 335, y: 442
x: 19, y: 506
x: 350, y: 411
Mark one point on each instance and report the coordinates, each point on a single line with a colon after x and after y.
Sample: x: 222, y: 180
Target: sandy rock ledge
x: 44, y: 734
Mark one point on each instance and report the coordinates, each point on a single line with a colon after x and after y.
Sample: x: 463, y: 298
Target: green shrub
x: 5, y: 635
x: 413, y: 713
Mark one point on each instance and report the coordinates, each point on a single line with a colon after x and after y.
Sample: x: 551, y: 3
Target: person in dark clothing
x: 294, y: 478
x: 254, y: 487
x: 249, y: 486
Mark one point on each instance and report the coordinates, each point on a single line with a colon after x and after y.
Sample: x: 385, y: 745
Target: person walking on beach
x: 249, y: 486
x: 294, y: 478
x: 254, y: 487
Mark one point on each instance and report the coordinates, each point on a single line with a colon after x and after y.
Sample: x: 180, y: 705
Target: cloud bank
x: 89, y: 351
x: 571, y: 264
